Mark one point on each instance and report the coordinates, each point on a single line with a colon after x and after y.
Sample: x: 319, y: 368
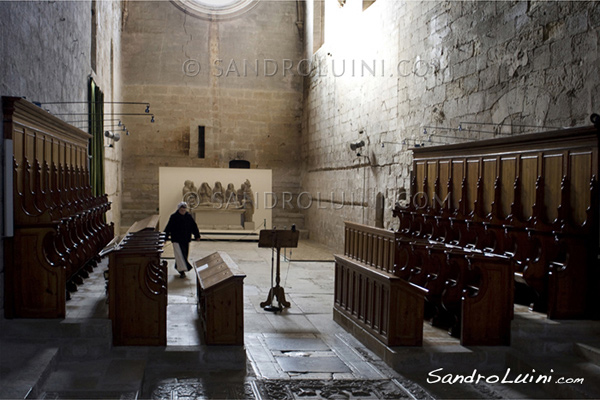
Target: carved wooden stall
x: 137, y: 287
x: 533, y: 198
x: 220, y: 293
x: 385, y: 292
x: 481, y: 217
x: 369, y: 295
x: 59, y: 226
x: 389, y: 308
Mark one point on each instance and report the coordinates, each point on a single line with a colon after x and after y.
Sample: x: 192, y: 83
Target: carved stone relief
x: 239, y: 201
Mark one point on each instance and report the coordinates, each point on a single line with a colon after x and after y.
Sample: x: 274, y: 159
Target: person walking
x: 179, y: 230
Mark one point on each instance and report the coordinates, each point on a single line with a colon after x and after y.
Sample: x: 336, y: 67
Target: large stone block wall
x: 196, y: 72
x: 437, y: 65
x: 45, y: 55
x: 108, y: 76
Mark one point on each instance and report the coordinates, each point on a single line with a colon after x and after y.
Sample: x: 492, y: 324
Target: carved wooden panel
x: 59, y: 227
x: 444, y: 177
x: 471, y: 180
x: 508, y: 174
x: 378, y: 249
x: 546, y: 201
x: 138, y: 294
x: 488, y: 176
x: 420, y: 173
x: 553, y: 169
x: 432, y: 174
x: 581, y: 171
x: 458, y: 175
x: 528, y: 177
x: 389, y: 308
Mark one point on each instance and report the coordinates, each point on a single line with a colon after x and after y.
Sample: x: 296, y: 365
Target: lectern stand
x: 276, y: 239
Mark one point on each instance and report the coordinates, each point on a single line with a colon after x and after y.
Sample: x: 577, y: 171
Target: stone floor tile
x: 325, y: 324
x: 314, y: 303
x: 312, y: 364
x: 257, y: 323
x: 123, y: 374
x: 296, y: 344
x: 283, y: 322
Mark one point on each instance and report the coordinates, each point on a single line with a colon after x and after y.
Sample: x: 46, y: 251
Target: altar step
x: 285, y: 220
x: 243, y: 236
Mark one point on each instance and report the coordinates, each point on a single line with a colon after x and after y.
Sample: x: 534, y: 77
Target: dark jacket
x: 180, y: 228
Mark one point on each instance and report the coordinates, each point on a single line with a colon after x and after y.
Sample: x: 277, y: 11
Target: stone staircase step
x: 285, y: 220
x: 109, y: 378
x: 70, y: 328
x: 589, y: 352
x: 565, y: 376
x: 24, y: 368
x: 34, y: 361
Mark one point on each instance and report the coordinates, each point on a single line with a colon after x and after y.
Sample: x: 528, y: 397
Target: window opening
x: 201, y: 141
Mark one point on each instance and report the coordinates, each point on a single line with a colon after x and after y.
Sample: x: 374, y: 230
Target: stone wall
x: 235, y: 77
x: 108, y: 76
x: 432, y: 67
x: 45, y: 52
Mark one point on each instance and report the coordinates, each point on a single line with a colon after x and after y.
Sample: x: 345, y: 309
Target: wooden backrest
x: 50, y: 164
x: 374, y: 247
x: 548, y: 179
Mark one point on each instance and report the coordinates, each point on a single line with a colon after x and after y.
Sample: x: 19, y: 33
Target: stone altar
x: 219, y: 218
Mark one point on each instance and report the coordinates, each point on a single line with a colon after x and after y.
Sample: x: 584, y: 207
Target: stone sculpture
x: 231, y: 197
x: 205, y: 193
x: 218, y: 197
x: 247, y: 200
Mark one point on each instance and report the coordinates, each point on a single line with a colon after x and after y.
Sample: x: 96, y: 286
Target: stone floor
x: 299, y: 353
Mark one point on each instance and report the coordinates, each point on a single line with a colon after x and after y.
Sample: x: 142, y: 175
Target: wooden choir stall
x: 487, y: 223
x: 137, y: 287
x: 58, y: 226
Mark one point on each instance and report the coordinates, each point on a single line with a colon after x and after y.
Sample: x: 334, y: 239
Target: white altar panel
x: 171, y: 181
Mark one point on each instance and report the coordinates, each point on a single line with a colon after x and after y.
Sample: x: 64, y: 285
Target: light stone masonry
x: 46, y: 57
x: 218, y: 75
x: 522, y: 63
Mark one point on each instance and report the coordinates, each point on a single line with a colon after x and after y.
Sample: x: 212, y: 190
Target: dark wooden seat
x: 58, y: 225
x: 389, y: 308
x: 429, y: 279
x: 220, y: 292
x: 487, y: 223
x: 532, y: 198
x: 137, y: 288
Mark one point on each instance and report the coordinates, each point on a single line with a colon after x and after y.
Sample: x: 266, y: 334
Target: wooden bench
x: 423, y: 279
x: 389, y: 308
x: 137, y: 290
x: 220, y: 295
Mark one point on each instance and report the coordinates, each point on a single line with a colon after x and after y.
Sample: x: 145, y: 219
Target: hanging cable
x: 459, y: 129
x: 509, y: 125
x: 289, y: 260
x: 40, y: 103
x: 272, y: 266
x: 151, y: 115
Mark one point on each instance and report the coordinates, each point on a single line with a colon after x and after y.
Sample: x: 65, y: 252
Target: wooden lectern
x: 276, y: 239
